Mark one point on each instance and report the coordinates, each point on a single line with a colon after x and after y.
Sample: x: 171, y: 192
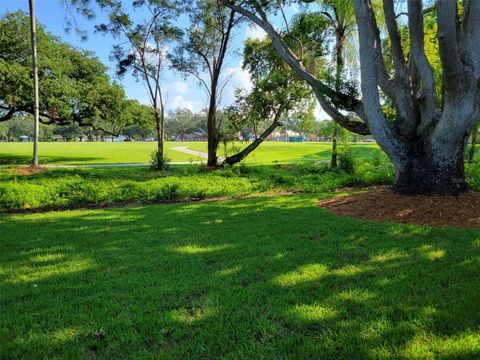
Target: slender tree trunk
x: 35, y: 82
x: 333, y: 162
x: 159, y: 130
x: 212, y: 132
x: 338, y: 76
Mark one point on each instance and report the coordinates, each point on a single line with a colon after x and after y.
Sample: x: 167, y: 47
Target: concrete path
x: 186, y: 150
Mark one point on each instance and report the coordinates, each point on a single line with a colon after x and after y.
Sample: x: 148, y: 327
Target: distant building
x: 197, y: 136
x: 119, y: 138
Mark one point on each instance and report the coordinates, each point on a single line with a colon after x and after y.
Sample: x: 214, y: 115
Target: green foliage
x: 346, y: 158
x: 158, y: 161
x: 75, y: 87
x: 76, y: 187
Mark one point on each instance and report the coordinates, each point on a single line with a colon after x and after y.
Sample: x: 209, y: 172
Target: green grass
x: 83, y: 186
x: 264, y: 278
x: 89, y: 153
x: 57, y: 188
x: 273, y: 152
x: 269, y: 152
x: 139, y: 152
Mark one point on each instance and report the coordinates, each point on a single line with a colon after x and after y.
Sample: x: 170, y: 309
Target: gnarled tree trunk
x: 427, y: 139
x: 426, y: 169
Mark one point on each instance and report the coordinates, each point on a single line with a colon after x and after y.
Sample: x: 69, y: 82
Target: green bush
x: 158, y: 162
x: 346, y: 159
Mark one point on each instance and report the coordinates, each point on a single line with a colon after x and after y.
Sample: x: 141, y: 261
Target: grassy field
x: 139, y: 152
x: 264, y: 278
x: 88, y: 153
x: 259, y: 278
x: 269, y: 152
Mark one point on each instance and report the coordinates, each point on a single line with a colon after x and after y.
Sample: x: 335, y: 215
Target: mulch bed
x: 382, y: 204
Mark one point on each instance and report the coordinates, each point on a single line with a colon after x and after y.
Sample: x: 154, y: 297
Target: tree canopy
x: 75, y: 87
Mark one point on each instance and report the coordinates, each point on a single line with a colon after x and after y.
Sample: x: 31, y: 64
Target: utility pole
x: 35, y: 82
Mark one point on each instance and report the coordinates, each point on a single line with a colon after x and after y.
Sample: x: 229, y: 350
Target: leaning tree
x: 428, y: 134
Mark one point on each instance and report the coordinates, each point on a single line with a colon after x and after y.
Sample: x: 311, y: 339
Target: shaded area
x: 17, y: 159
x: 271, y: 278
x: 381, y: 203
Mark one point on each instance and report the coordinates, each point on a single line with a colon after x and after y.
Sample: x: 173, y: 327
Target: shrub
x: 158, y: 162
x: 346, y: 159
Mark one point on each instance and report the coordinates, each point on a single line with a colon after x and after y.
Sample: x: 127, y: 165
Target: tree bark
x: 212, y: 132
x: 425, y: 169
x: 159, y: 129
x: 36, y: 127
x: 333, y: 162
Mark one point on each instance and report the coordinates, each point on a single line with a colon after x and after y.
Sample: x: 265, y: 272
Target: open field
x: 139, y: 152
x: 271, y: 278
x: 269, y: 152
x: 88, y: 153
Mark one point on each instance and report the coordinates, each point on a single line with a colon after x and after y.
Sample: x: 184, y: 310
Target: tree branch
x: 427, y: 99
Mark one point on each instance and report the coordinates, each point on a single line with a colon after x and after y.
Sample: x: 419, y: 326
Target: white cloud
x: 255, y: 32
x: 179, y: 87
x: 239, y: 78
x: 178, y: 101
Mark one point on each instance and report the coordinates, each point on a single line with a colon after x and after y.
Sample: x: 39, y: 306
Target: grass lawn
x: 269, y: 152
x: 263, y: 278
x: 88, y: 153
x: 276, y: 152
x: 139, y: 152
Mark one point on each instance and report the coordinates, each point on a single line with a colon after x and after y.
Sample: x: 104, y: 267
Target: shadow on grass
x: 257, y: 278
x: 9, y: 159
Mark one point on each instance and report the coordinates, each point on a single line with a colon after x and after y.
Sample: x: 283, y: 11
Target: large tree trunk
x: 424, y: 168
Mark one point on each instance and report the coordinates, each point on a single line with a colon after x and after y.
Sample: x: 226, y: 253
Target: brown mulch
x: 382, y: 204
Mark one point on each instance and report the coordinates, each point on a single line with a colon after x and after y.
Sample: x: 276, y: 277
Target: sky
x: 181, y: 92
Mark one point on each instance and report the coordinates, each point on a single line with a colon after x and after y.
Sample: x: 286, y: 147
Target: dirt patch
x: 383, y: 204
x: 30, y: 170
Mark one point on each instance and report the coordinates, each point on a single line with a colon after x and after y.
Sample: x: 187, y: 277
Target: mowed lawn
x: 89, y: 152
x: 260, y: 278
x: 139, y: 152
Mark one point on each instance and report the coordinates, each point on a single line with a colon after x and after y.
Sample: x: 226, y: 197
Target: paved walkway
x: 186, y: 150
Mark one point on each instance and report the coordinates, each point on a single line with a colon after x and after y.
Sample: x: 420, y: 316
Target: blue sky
x: 181, y: 93
x: 184, y: 93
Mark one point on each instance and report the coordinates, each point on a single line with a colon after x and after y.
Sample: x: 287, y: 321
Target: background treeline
x: 181, y: 125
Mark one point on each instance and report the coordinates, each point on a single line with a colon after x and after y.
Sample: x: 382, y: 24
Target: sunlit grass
x: 270, y: 278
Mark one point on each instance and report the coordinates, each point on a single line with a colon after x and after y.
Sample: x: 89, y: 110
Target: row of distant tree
x: 181, y: 125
